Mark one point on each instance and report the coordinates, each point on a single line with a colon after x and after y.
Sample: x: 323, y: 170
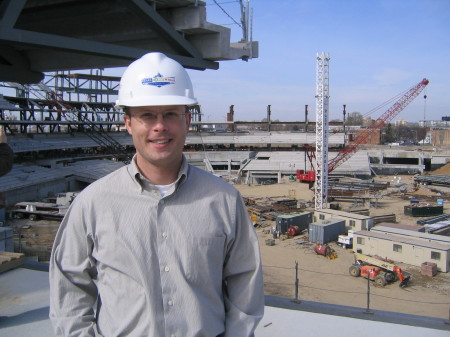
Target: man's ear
x: 127, y: 121
x: 188, y: 118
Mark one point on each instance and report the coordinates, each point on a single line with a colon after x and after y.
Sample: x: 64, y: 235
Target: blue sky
x: 378, y: 49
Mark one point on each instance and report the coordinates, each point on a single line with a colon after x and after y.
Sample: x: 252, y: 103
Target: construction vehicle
x: 325, y: 250
x: 378, y: 270
x: 308, y: 176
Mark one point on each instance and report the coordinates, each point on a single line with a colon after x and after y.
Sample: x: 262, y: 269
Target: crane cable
x: 393, y: 99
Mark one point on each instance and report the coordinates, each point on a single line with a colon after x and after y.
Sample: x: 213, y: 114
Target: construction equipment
x: 308, y: 176
x: 381, y: 122
x: 380, y: 271
x: 325, y: 250
x: 323, y: 166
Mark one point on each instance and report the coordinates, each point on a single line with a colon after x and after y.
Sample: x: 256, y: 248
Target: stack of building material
x: 423, y: 209
x: 428, y: 269
x: 433, y: 179
x: 9, y: 260
x: 285, y: 204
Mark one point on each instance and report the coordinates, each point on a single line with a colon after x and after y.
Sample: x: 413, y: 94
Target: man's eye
x: 148, y: 116
x: 171, y: 114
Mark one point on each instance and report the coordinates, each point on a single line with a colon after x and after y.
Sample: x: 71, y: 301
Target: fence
x: 297, y: 288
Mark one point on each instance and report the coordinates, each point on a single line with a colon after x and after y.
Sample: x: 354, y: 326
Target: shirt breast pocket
x: 203, y: 259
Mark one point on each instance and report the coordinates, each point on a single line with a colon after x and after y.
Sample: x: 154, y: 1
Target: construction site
x: 62, y: 144
x: 339, y: 214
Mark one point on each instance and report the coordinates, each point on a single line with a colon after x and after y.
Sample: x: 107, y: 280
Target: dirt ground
x: 328, y: 281
x: 320, y: 279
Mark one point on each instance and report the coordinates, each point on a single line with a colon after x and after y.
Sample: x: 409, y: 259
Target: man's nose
x: 159, y: 122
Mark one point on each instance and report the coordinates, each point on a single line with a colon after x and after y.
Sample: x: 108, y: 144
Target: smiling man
x: 158, y: 247
x: 159, y: 134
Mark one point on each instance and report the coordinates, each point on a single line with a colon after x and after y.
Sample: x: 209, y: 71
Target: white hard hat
x: 155, y: 80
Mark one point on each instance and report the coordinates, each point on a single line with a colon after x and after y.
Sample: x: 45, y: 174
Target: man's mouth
x: 160, y: 141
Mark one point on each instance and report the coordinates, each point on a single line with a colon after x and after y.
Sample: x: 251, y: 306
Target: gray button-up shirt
x: 133, y: 263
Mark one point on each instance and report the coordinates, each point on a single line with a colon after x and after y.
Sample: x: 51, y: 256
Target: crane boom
x: 362, y: 137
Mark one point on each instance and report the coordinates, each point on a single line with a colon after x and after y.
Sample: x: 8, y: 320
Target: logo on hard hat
x: 158, y: 80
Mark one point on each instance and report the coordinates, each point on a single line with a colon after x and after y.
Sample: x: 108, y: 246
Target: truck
x: 45, y: 210
x: 346, y: 241
x: 378, y: 270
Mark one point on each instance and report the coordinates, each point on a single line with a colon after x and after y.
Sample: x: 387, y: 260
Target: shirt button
x: 170, y: 302
x: 164, y: 235
x: 166, y: 268
x: 173, y: 335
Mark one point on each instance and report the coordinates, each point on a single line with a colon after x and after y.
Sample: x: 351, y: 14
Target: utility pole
x: 306, y: 118
x: 344, y: 112
x: 269, y: 123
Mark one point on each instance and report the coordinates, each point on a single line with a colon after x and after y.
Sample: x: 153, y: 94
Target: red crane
x: 365, y: 134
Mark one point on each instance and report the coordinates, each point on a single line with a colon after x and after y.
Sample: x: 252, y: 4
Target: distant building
x: 374, y: 137
x: 440, y: 136
x: 401, y: 122
x: 367, y: 122
x: 436, y: 123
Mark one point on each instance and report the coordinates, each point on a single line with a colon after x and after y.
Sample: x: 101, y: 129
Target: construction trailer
x: 414, y: 228
x: 409, y: 233
x: 324, y: 231
x: 301, y: 219
x: 355, y: 222
x: 405, y: 246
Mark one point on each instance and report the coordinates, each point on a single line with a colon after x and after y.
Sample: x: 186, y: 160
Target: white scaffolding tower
x: 322, y: 98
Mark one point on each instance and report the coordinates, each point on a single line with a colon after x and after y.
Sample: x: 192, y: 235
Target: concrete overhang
x: 38, y: 36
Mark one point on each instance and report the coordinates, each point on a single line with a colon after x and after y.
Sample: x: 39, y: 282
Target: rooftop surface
x: 24, y: 306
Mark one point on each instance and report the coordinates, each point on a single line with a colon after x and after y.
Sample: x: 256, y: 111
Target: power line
x: 226, y: 13
x: 224, y: 2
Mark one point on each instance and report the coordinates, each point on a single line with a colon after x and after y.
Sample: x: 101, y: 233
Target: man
x: 158, y: 247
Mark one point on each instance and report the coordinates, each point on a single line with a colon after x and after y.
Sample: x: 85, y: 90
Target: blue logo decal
x: 158, y: 80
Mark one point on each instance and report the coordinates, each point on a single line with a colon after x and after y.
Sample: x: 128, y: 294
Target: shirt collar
x: 139, y: 178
